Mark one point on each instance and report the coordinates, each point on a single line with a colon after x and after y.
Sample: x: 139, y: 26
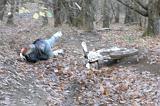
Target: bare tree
x: 130, y: 16
x: 45, y: 18
x: 87, y: 14
x: 75, y: 13
x: 57, y: 12
x: 115, y: 10
x: 117, y: 13
x: 151, y: 9
x: 106, y: 14
x: 2, y: 8
x: 11, y: 13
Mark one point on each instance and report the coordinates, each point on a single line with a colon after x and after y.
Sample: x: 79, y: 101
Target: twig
x: 80, y: 8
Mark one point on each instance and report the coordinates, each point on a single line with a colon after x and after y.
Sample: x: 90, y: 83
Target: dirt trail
x: 62, y: 81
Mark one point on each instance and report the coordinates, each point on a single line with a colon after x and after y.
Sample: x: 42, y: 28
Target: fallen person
x: 41, y: 49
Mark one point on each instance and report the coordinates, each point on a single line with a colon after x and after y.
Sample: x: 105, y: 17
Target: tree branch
x: 140, y: 11
x: 141, y: 4
x: 113, y: 9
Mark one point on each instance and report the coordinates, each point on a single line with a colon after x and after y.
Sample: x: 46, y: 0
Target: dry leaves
x: 65, y: 80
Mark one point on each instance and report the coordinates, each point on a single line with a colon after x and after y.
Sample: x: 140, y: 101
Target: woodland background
x: 65, y: 81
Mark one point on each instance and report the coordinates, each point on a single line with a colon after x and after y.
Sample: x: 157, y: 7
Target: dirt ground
x: 64, y: 81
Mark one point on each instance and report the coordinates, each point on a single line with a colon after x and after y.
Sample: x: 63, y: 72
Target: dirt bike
x: 95, y: 58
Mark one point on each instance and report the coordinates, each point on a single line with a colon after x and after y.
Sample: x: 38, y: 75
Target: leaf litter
x: 64, y: 81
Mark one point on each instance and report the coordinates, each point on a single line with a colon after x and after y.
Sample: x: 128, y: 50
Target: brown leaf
x: 122, y: 87
x: 104, y: 90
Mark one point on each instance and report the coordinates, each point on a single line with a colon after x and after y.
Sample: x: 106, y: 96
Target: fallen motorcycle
x: 96, y: 58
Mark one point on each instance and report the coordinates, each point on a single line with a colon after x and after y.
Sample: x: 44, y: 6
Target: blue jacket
x: 42, y: 48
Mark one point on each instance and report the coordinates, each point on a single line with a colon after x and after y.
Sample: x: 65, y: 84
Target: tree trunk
x: 10, y: 15
x: 2, y: 8
x: 151, y: 10
x: 117, y: 13
x: 57, y: 12
x: 72, y: 14
x: 45, y: 18
x: 131, y: 16
x: 87, y: 15
x: 79, y: 15
x: 106, y: 15
x: 153, y: 18
x: 83, y: 17
x: 128, y: 16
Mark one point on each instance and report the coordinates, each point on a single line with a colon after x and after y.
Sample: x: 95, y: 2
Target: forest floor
x: 64, y: 81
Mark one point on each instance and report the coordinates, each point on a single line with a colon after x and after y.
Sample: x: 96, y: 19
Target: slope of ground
x: 64, y: 81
